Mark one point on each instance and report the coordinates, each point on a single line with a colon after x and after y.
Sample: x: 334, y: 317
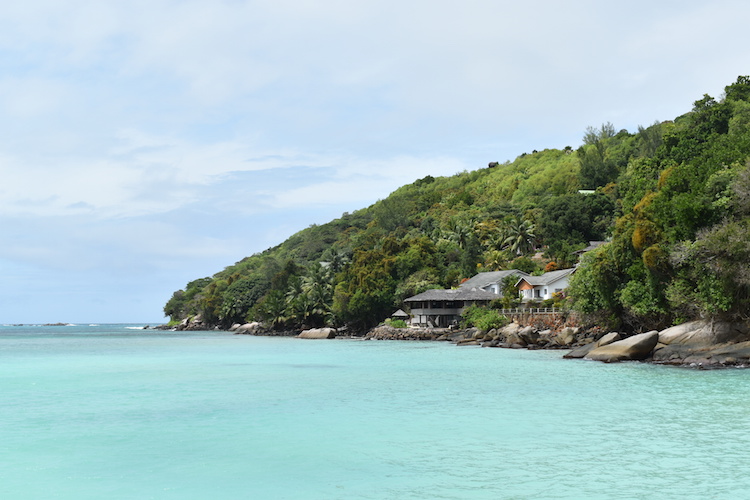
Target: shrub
x: 483, y: 318
x: 395, y: 323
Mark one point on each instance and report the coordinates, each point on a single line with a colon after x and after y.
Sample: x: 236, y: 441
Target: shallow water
x: 107, y: 412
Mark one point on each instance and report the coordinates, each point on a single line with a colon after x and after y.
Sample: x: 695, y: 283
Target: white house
x: 542, y: 287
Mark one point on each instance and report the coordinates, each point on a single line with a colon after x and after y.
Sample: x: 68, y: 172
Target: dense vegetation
x: 673, y: 199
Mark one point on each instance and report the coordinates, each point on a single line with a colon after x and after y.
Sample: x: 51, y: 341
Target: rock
x: 705, y: 333
x: 581, y: 352
x: 249, y: 328
x: 469, y: 341
x: 704, y: 343
x: 733, y: 354
x: 567, y: 336
x: 318, y: 333
x: 529, y: 335
x: 636, y: 347
x: 608, y: 339
x: 234, y: 327
x: 515, y: 339
x: 510, y: 329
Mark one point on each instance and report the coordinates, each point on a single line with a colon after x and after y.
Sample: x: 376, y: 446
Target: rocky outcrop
x: 385, y: 332
x: 253, y: 328
x: 705, y: 344
x: 637, y: 347
x: 318, y: 333
x: 702, y: 344
x: 194, y: 323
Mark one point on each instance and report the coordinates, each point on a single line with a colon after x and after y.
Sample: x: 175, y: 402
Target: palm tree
x: 495, y: 260
x: 519, y: 236
x: 318, y: 292
x: 274, y: 308
x: 460, y: 233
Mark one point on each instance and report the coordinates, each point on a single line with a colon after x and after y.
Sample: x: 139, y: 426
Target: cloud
x: 185, y: 134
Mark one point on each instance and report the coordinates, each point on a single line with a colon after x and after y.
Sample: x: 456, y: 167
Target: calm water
x: 108, y: 412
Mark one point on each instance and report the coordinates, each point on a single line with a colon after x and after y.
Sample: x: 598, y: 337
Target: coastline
x: 702, y: 344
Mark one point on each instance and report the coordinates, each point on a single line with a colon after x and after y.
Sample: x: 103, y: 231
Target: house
x: 491, y: 281
x: 592, y: 246
x: 442, y: 308
x: 542, y: 287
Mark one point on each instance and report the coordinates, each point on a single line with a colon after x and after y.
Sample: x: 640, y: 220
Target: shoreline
x: 702, y: 344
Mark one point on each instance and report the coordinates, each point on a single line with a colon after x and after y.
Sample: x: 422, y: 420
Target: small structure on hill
x: 592, y: 245
x: 400, y: 314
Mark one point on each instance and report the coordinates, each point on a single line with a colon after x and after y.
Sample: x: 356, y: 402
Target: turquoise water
x: 108, y: 412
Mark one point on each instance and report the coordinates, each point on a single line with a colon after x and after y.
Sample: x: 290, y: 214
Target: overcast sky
x: 149, y: 143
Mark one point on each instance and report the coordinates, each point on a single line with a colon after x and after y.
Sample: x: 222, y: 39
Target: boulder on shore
x: 705, y: 343
x: 249, y: 328
x: 637, y: 347
x: 318, y: 333
x: 581, y: 352
x: 567, y: 336
x: 705, y: 333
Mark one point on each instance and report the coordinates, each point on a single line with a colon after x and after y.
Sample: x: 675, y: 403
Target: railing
x: 531, y: 310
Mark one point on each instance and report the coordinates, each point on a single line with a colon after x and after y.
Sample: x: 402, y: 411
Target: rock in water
x: 636, y: 347
x: 581, y: 352
x: 318, y: 333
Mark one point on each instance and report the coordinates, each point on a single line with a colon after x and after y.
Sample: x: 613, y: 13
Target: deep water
x: 115, y: 413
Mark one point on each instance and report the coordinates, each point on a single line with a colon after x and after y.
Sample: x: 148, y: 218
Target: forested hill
x: 672, y: 199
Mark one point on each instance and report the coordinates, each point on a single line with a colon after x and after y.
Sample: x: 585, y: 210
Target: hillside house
x: 443, y: 308
x: 538, y: 288
x: 592, y: 245
x: 491, y: 281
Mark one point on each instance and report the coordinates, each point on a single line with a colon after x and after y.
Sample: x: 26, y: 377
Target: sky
x: 148, y: 143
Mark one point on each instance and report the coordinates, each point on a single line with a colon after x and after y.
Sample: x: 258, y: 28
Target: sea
x: 119, y: 412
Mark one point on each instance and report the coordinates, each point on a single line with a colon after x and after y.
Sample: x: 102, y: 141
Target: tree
x: 519, y: 236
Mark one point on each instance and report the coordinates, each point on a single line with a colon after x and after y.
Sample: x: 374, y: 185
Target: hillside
x: 673, y: 199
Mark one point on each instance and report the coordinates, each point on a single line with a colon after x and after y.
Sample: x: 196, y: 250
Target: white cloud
x: 351, y: 180
x: 201, y: 129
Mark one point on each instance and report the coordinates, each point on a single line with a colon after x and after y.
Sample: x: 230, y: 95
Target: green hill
x: 673, y: 199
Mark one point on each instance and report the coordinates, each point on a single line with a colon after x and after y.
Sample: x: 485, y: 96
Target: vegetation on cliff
x: 673, y: 199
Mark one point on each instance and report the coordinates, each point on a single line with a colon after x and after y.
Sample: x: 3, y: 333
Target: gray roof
x: 482, y: 280
x: 399, y: 314
x: 453, y: 294
x: 547, y: 278
x: 592, y: 245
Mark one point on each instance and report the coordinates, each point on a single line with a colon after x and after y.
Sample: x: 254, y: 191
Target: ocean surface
x: 111, y: 412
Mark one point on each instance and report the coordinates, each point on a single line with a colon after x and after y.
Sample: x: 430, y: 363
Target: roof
x: 453, y: 294
x: 547, y: 278
x: 592, y: 245
x: 482, y: 280
x: 399, y: 314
